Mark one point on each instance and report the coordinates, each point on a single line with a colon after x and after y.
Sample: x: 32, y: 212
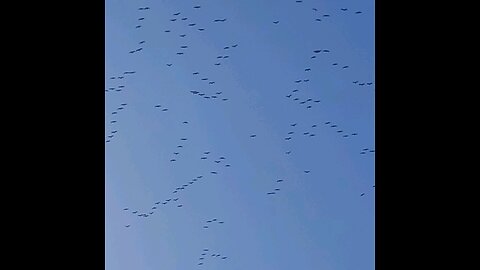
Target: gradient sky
x: 317, y: 220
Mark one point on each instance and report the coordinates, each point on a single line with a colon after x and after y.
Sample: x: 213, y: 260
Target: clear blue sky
x: 318, y: 220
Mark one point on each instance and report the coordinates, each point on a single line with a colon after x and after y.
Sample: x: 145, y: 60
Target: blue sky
x: 318, y: 220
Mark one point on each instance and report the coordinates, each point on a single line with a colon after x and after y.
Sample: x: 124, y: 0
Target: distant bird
x: 362, y: 84
x: 288, y: 152
x: 173, y: 160
x: 355, y: 82
x: 197, y: 7
x: 169, y: 65
x: 217, y: 64
x: 226, y: 48
x: 179, y: 53
x: 217, y: 161
x: 183, y: 19
x: 172, y: 20
x: 293, y: 124
x: 213, y: 172
x: 277, y: 189
x: 204, y: 79
x: 362, y: 194
x: 335, y: 64
x: 343, y: 9
x: 307, y: 69
x: 298, y: 81
x: 127, y: 226
x: 180, y: 205
x: 176, y: 14
x: 354, y: 134
x: 358, y: 12
x: 288, y: 96
x: 223, y: 258
x: 318, y: 20
x: 201, y: 29
x: 164, y: 110
x: 218, y: 93
x: 195, y: 73
x: 345, y: 67
x: 317, y: 51
x: 134, y: 212
x: 138, y: 26
x: 125, y: 209
x: 288, y: 138
x: 271, y: 193
x: 327, y: 51
x: 306, y: 171
x: 369, y: 83
x: 183, y: 35
x: 253, y: 136
x: 314, y: 9
x: 141, y: 19
x: 194, y: 92
x: 184, y: 47
x: 276, y: 22
x: 279, y: 180
x: 113, y: 121
x: 316, y: 101
x: 227, y: 165
x: 131, y: 52
x: 192, y: 24
x: 234, y: 46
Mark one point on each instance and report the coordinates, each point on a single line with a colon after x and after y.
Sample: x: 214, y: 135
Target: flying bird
x: 343, y: 9
x: 276, y: 22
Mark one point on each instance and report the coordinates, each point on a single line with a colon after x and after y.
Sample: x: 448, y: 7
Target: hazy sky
x: 317, y: 220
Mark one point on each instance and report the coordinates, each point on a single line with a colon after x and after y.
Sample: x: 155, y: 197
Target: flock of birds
x: 219, y: 162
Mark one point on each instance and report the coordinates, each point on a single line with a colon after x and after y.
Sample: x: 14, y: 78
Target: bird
x: 127, y: 226
x: 184, y: 47
x: 195, y: 73
x: 125, y: 209
x: 185, y: 18
x: 213, y: 172
x: 355, y: 82
x: 172, y: 20
x: 343, y: 9
x: 362, y: 194
x: 176, y: 14
x: 314, y: 9
x: 197, y: 7
x: 288, y: 152
x: 183, y: 35
x: 223, y: 258
x: 226, y: 47
x: 276, y: 22
x: 201, y: 29
x: 138, y: 26
x: 180, y: 205
x: 192, y: 24
x: 277, y: 189
x: 279, y: 180
x: 293, y: 124
x: 253, y: 136
x: 134, y: 212
x: 318, y: 20
x: 307, y: 69
x: 288, y: 138
x: 234, y: 46
x: 306, y: 171
x: 169, y: 65
x: 345, y: 67
x: 358, y: 12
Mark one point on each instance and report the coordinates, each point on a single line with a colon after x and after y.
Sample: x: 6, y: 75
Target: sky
x: 317, y: 220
